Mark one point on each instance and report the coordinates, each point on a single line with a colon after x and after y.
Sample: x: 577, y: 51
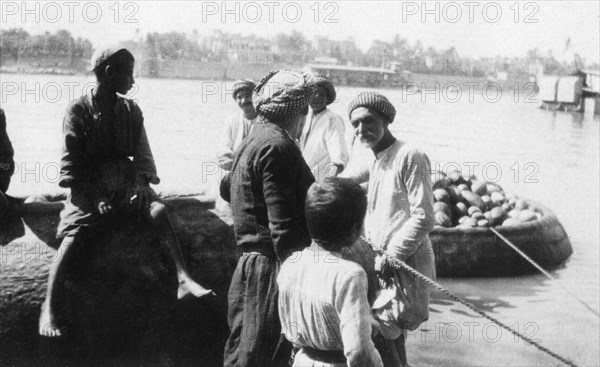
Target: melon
x: 460, y: 210
x: 454, y: 194
x: 463, y: 219
x: 479, y: 188
x: 492, y: 187
x: 521, y: 204
x: 442, y: 207
x: 511, y: 222
x: 478, y: 216
x: 441, y: 219
x: 473, y: 209
x: 473, y: 199
x: 469, y: 223
x: 497, y: 198
x: 483, y: 223
x: 527, y: 215
x: 514, y: 213
x: 488, y: 202
x: 441, y: 195
x: 497, y: 216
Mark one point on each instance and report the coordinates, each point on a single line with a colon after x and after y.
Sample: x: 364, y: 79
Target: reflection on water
x: 551, y: 157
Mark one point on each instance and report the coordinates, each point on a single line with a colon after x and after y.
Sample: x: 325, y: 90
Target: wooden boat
x: 478, y: 252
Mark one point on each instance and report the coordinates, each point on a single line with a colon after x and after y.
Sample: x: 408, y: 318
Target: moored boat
x: 479, y: 252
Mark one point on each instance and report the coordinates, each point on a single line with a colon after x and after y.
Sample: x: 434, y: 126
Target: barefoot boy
x: 108, y: 165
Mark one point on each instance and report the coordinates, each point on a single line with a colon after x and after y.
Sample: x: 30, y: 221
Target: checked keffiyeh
x: 243, y: 84
x: 373, y: 101
x: 283, y: 94
x: 323, y: 81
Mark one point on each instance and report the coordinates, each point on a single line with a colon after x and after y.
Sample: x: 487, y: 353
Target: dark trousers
x: 253, y: 317
x: 392, y: 351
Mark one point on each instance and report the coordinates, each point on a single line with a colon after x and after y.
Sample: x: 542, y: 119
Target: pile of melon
x: 468, y: 203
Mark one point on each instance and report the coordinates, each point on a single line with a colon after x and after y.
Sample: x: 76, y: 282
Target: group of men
x: 293, y: 293
x: 296, y: 205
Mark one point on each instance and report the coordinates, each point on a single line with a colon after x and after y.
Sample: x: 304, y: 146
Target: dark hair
x: 117, y: 60
x: 334, y: 209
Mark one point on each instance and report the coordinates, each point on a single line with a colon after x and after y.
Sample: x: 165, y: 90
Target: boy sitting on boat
x: 102, y: 130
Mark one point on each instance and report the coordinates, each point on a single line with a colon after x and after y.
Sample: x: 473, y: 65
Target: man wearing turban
x: 267, y: 188
x: 322, y: 142
x: 238, y: 127
x: 398, y: 220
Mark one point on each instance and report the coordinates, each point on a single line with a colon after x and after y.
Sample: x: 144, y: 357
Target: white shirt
x: 323, y: 305
x: 400, y: 214
x: 323, y: 143
x: 234, y: 131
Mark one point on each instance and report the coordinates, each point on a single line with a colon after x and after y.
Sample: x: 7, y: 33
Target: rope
x: 530, y: 260
x: 398, y: 264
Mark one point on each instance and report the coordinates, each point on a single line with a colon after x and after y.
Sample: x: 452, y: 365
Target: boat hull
x: 479, y: 252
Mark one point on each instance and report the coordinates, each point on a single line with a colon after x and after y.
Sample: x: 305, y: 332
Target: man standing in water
x: 399, y: 212
x: 102, y: 130
x: 267, y: 188
x: 323, y: 141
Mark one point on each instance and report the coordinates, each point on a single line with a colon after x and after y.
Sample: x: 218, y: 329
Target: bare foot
x: 47, y: 326
x: 188, y: 286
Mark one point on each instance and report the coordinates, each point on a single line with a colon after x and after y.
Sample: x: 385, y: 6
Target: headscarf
x: 243, y: 84
x: 323, y: 81
x: 283, y: 94
x: 373, y: 101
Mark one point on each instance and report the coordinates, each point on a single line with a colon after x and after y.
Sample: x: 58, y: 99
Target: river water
x: 551, y: 157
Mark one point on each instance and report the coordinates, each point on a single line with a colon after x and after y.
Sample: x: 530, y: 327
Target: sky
x: 474, y: 28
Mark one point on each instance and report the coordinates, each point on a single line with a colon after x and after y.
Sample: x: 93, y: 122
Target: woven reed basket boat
x: 479, y: 252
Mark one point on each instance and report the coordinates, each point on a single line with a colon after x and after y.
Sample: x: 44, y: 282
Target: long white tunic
x: 323, y: 305
x: 323, y: 143
x: 400, y: 214
x: 234, y: 131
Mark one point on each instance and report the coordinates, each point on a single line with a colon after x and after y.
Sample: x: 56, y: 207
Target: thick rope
x: 398, y: 264
x: 543, y: 271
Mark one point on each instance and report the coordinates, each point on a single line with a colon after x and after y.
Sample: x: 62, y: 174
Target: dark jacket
x: 267, y: 189
x: 98, y: 150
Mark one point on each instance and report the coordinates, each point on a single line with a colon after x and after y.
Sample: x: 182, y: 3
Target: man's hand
x: 141, y: 193
x: 103, y: 206
x: 385, y: 269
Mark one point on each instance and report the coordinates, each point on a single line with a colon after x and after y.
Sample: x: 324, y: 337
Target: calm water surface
x: 547, y: 156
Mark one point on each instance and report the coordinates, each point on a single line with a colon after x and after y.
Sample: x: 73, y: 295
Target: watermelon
x: 440, y: 206
x: 441, y: 219
x: 511, y: 222
x: 473, y: 199
x: 527, y: 215
x: 497, y: 216
x: 479, y: 188
x: 441, y: 195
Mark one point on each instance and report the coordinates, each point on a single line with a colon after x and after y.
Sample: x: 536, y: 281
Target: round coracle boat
x: 479, y: 252
x: 471, y: 216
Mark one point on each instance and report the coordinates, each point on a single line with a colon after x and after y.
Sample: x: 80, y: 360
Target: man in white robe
x: 323, y: 141
x: 399, y: 213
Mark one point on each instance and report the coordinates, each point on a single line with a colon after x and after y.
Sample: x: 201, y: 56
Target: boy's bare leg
x: 168, y: 237
x: 47, y: 322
